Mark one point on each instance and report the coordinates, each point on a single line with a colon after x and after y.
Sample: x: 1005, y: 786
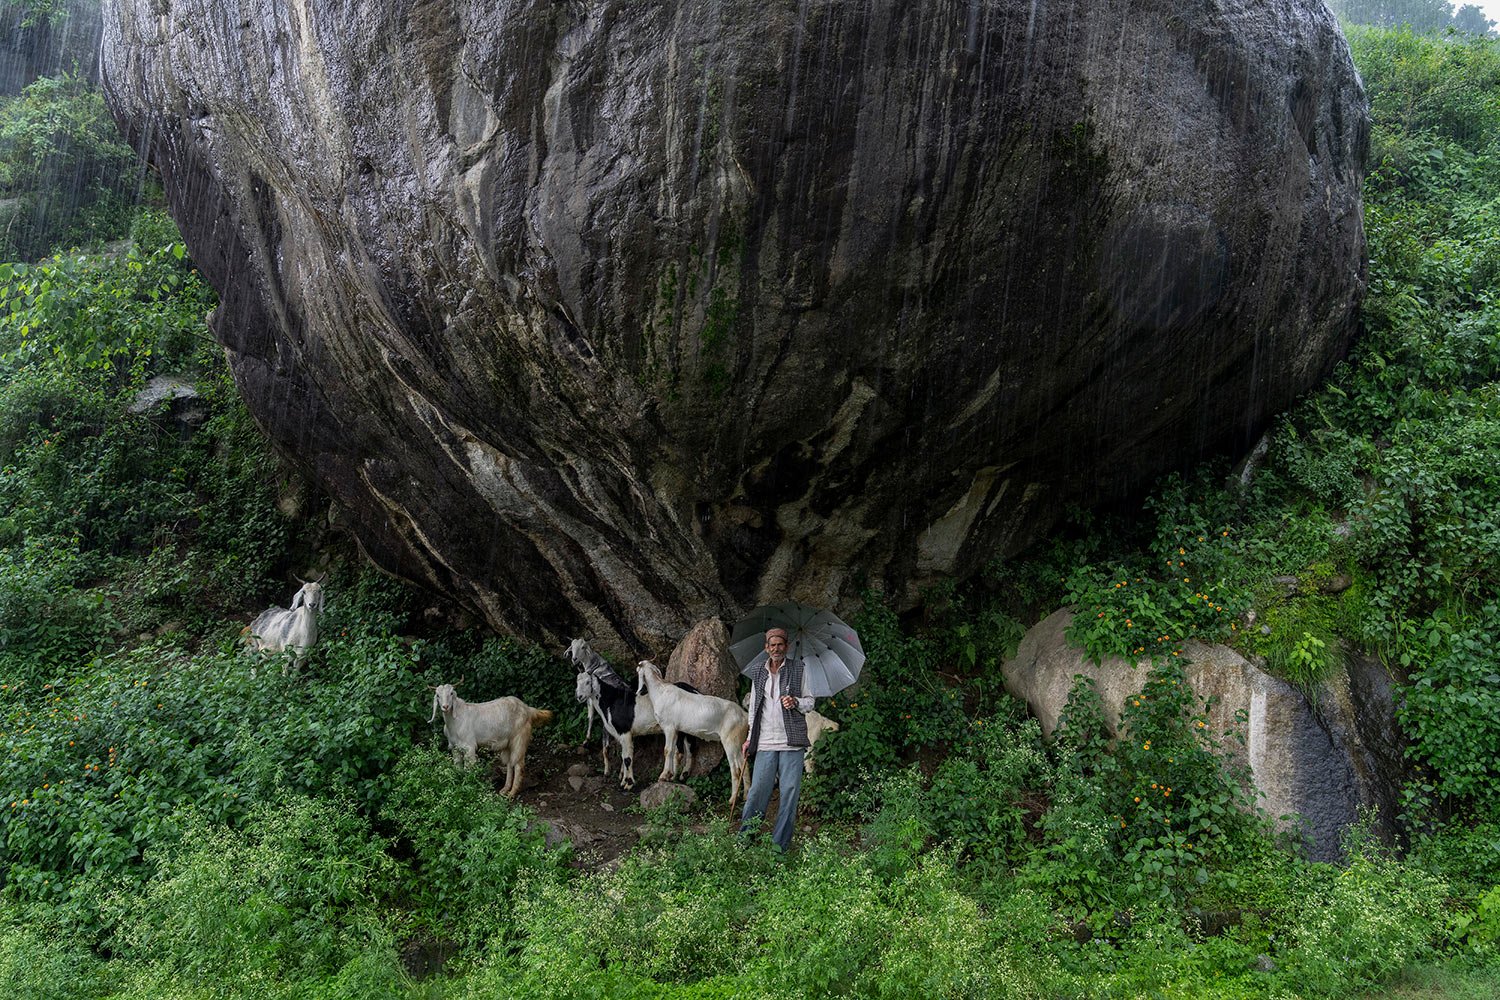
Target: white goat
x: 700, y: 715
x: 504, y: 725
x: 817, y: 725
x: 294, y: 628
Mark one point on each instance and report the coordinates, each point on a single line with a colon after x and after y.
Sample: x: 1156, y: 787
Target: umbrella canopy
x: 828, y: 648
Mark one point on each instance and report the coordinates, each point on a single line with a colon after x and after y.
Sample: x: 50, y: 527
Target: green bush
x: 294, y: 894
x: 1357, y: 927
x: 901, y: 705
x: 467, y: 850
x: 1155, y: 814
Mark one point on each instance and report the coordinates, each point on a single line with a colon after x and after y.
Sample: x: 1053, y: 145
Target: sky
x: 1491, y: 8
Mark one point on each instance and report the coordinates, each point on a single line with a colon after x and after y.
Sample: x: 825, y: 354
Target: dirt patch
x: 566, y: 786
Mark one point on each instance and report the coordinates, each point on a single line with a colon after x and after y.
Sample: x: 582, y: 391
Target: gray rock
x: 575, y: 782
x: 607, y: 317
x: 169, y: 397
x: 1320, y: 760
x: 662, y: 792
x: 579, y: 770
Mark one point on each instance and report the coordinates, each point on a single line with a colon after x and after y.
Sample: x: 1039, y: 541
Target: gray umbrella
x: 828, y: 648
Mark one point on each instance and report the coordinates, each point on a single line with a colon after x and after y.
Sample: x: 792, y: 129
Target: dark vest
x: 791, y: 683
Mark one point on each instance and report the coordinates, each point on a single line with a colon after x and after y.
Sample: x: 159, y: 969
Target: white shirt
x: 772, y: 723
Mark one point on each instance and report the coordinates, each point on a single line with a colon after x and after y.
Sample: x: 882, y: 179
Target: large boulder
x: 1320, y: 759
x: 605, y: 317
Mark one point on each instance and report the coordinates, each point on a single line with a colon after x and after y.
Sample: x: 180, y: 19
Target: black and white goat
x: 623, y: 714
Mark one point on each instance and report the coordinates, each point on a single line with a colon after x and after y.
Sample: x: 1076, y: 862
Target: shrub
x: 901, y: 705
x: 295, y: 894
x: 1355, y: 928
x: 466, y: 847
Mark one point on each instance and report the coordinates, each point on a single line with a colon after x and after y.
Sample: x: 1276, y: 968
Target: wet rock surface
x: 1321, y: 759
x: 606, y: 317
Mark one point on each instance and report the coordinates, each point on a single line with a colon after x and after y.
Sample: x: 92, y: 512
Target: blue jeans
x: 773, y: 767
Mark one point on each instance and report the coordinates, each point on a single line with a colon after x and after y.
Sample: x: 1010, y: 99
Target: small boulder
x: 663, y: 792
x: 171, y: 398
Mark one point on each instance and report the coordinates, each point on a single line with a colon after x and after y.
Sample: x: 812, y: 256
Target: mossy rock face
x: 606, y: 317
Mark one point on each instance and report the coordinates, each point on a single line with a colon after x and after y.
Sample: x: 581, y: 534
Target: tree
x: 1422, y: 15
x: 1471, y: 19
x: 65, y: 176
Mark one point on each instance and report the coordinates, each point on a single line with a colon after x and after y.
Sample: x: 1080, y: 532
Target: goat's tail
x: 541, y: 716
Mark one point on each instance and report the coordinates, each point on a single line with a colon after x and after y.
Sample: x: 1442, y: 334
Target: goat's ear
x: 433, y: 716
x: 298, y: 599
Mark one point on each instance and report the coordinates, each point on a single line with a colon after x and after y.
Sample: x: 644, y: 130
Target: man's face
x: 776, y: 646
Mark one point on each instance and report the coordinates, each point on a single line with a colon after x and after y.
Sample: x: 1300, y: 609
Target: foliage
x: 903, y: 703
x: 36, y: 12
x: 1452, y: 707
x: 1357, y: 926
x: 979, y: 800
x: 67, y: 178
x: 467, y: 849
x: 1155, y: 813
x: 292, y: 893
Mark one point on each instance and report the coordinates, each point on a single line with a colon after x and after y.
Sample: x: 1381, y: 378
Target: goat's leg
x: 669, y: 752
x: 627, y: 761
x: 604, y: 751
x: 516, y: 767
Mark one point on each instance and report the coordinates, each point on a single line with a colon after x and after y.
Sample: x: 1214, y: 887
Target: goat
x: 504, y: 725
x: 296, y: 628
x: 623, y: 713
x: 701, y: 715
x: 817, y: 725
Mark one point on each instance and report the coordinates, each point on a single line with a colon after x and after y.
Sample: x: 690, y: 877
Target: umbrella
x: 828, y: 648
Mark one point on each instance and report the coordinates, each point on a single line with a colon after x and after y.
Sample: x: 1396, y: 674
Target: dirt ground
x: 566, y: 786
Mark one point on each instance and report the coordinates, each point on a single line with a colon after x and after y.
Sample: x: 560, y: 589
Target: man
x: 778, y: 738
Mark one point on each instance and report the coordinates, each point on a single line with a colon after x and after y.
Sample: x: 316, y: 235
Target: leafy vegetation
x: 171, y: 825
x: 66, y: 179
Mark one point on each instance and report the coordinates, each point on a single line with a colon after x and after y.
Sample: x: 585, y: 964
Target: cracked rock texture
x: 607, y: 316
